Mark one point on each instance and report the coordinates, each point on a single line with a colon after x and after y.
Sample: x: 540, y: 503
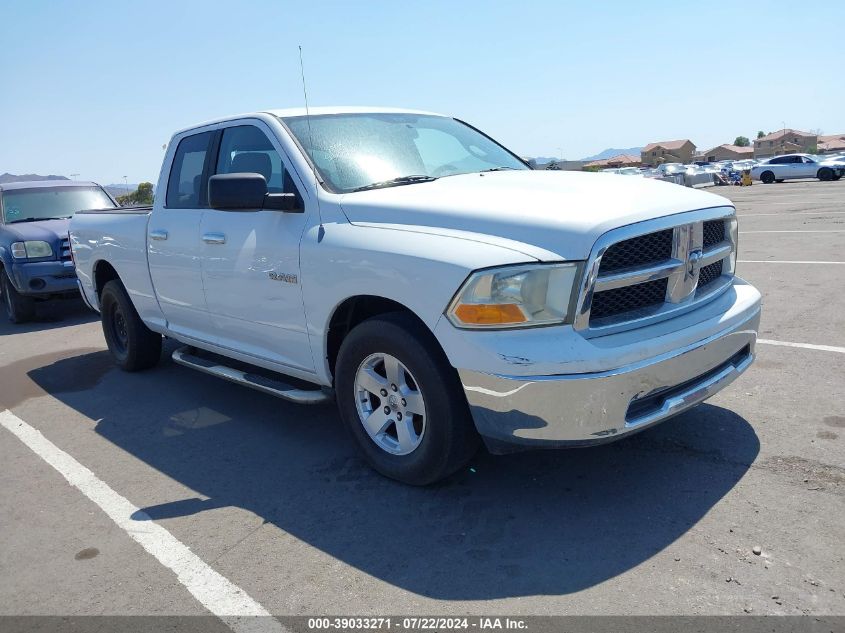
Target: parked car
x: 427, y: 279
x: 623, y: 171
x: 35, y: 262
x: 791, y: 166
x: 687, y: 175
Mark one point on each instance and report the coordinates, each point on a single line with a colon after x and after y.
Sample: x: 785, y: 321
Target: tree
x: 761, y: 134
x: 143, y: 195
x: 742, y: 141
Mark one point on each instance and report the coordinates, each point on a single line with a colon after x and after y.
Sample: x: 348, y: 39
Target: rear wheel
x: 767, y: 177
x: 825, y: 173
x: 19, y: 309
x: 402, y: 402
x: 132, y: 344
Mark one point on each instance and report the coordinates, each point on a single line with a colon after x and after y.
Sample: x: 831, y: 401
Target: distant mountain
x: 7, y: 177
x: 121, y: 189
x: 612, y: 151
x: 545, y: 160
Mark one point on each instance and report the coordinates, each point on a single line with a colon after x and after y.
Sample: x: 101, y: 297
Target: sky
x: 97, y: 88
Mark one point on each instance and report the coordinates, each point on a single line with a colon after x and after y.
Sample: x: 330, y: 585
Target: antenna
x: 311, y: 142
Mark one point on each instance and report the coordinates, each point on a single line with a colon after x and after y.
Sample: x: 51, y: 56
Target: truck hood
x: 50, y: 231
x: 544, y: 214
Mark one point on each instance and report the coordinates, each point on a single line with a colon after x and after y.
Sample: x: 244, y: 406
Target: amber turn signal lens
x: 489, y: 314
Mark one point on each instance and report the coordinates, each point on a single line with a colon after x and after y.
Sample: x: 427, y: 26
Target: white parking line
x: 830, y: 231
x: 789, y: 215
x: 216, y: 593
x: 781, y: 261
x: 821, y: 348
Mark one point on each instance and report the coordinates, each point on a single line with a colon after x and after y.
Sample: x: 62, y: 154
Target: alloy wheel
x: 390, y: 404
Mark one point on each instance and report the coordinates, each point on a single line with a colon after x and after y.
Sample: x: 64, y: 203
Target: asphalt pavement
x: 274, y: 505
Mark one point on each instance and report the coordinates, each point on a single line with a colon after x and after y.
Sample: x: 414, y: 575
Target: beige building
x: 785, y: 141
x: 681, y: 151
x: 727, y: 152
x: 622, y: 160
x: 831, y: 143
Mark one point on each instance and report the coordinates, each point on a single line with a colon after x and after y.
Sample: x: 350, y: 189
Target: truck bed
x: 119, y: 238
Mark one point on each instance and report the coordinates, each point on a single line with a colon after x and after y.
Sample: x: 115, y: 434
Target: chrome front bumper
x: 582, y: 409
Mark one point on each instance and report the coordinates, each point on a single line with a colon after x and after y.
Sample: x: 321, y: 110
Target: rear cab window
x: 188, y: 172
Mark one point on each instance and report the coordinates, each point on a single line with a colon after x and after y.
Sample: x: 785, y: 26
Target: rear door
x: 173, y: 238
x: 250, y: 259
x: 779, y: 168
x: 808, y: 167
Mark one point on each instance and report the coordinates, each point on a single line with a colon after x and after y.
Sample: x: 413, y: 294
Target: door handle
x: 214, y: 238
x: 158, y: 234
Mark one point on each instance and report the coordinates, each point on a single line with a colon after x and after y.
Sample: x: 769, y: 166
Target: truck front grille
x: 709, y: 274
x: 637, y: 251
x: 714, y: 232
x: 64, y: 255
x: 628, y: 299
x: 636, y: 275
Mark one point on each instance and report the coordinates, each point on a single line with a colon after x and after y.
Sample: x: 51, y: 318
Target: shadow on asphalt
x: 49, y: 315
x: 551, y: 522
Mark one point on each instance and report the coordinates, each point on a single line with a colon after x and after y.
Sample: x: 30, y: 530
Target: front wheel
x: 825, y: 174
x: 402, y: 402
x: 19, y: 309
x: 767, y: 177
x: 132, y: 344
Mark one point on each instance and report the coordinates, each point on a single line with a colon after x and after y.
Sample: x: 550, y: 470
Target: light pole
x: 73, y: 176
x: 126, y: 185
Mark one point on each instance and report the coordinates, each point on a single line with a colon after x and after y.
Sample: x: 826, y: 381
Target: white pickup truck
x: 425, y: 277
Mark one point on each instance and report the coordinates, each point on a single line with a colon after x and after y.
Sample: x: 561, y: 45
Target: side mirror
x: 248, y: 192
x: 288, y: 202
x: 236, y: 192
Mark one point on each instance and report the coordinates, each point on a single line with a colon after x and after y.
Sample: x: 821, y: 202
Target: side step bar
x: 185, y: 356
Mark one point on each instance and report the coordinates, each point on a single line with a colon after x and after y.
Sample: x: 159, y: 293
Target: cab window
x: 185, y: 185
x: 245, y: 148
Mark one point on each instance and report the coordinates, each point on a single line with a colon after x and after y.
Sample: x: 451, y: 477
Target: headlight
x: 31, y: 249
x: 515, y: 296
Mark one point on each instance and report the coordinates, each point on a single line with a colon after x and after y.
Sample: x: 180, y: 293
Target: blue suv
x: 35, y: 258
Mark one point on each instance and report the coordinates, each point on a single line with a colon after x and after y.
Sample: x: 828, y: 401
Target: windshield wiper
x: 35, y: 220
x: 401, y: 180
x: 497, y: 169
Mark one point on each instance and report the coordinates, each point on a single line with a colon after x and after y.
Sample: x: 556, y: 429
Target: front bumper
x: 591, y: 408
x: 44, y: 278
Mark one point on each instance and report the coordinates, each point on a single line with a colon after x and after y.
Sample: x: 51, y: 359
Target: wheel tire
x: 132, y: 344
x: 825, y: 174
x: 448, y: 439
x: 767, y: 177
x: 19, y: 309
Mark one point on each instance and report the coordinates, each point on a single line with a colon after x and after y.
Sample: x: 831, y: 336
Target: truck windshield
x: 353, y: 152
x: 48, y: 203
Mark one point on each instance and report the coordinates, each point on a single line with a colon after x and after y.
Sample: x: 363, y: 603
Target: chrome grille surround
x: 682, y: 269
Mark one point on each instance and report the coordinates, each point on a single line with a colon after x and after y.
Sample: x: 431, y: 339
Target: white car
x: 791, y: 166
x: 425, y: 278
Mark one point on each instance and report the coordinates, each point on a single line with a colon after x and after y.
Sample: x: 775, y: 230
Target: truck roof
x: 316, y: 111
x: 38, y: 184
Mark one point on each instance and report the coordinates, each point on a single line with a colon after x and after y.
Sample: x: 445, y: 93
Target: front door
x: 173, y: 240
x: 251, y: 258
